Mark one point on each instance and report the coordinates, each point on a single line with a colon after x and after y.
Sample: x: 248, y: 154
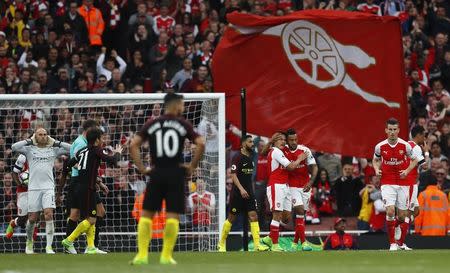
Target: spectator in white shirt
x: 107, y: 69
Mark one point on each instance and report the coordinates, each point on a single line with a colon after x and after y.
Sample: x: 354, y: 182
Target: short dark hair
x: 391, y: 121
x: 171, y: 97
x: 92, y: 135
x: 245, y: 138
x: 417, y: 130
x: 90, y: 123
x: 435, y: 143
x: 290, y: 132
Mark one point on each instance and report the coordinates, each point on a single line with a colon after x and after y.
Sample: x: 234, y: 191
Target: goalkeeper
x: 41, y: 152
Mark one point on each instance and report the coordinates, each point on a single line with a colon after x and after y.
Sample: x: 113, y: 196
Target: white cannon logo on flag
x: 315, y: 45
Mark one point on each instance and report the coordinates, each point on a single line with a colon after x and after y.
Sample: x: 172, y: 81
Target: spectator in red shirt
x: 202, y: 204
x: 261, y: 178
x: 340, y: 240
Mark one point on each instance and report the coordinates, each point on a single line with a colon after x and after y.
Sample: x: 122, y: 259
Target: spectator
x: 202, y: 204
x: 81, y: 86
x: 163, y: 22
x: 73, y: 21
x: 107, y: 69
x: 182, y: 75
x: 196, y: 83
x: 137, y: 71
x: 369, y: 7
x: 346, y: 191
x: 435, y: 151
x: 158, y: 56
x: 175, y: 60
x: 332, y: 164
x: 261, y: 178
x: 123, y: 203
x: 340, y: 240
x: 94, y: 22
x: 442, y: 182
x: 321, y: 193
x: 26, y: 60
x: 367, y: 203
x: 7, y: 201
x: 101, y: 86
x: 433, y: 219
x: 141, y: 12
x: 141, y: 40
x: 429, y: 177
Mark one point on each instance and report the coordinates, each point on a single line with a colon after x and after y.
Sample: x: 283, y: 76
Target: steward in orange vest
x: 434, y: 216
x: 94, y: 22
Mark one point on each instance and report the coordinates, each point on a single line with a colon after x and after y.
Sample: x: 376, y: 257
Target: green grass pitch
x: 432, y: 261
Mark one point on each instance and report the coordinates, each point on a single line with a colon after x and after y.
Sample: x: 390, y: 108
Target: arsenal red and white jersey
x: 393, y: 161
x: 277, y: 164
x: 300, y: 176
x: 198, y: 202
x: 165, y: 24
x: 417, y: 153
x: 372, y: 9
x: 21, y: 166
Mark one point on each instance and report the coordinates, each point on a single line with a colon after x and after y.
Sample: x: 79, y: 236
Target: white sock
x: 15, y: 220
x: 29, y: 228
x: 49, y: 231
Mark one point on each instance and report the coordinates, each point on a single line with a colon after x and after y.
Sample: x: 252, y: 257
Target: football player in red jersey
x: 390, y: 162
x: 418, y: 139
x: 278, y: 193
x: 300, y: 182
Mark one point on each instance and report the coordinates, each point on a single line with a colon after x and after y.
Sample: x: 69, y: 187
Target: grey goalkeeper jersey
x: 40, y: 163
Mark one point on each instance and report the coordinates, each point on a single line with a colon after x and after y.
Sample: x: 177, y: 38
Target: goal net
x: 120, y: 117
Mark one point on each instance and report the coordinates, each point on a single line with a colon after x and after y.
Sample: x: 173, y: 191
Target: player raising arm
x: 88, y: 160
x: 166, y: 136
x: 278, y: 193
x: 390, y: 162
x: 41, y: 152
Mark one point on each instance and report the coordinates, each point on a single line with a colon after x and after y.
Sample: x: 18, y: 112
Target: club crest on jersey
x: 94, y: 212
x: 401, y: 152
x: 294, y: 201
x: 278, y: 205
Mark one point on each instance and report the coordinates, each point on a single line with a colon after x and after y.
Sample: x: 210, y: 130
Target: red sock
x: 391, y: 230
x: 274, y: 231
x: 404, y: 227
x: 299, y: 229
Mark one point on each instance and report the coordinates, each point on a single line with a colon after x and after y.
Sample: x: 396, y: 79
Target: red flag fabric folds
x: 335, y: 76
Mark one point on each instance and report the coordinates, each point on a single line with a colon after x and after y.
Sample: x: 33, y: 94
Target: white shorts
x: 414, y: 201
x: 395, y: 195
x: 279, y: 197
x: 22, y: 203
x: 39, y: 200
x: 300, y: 198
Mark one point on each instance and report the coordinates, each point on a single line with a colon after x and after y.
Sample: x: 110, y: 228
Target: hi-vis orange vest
x: 434, y: 217
x: 94, y: 22
x: 159, y: 220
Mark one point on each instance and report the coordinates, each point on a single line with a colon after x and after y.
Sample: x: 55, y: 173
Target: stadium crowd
x: 144, y: 46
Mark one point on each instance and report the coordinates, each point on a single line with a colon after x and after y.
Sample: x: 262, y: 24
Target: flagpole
x: 244, y: 212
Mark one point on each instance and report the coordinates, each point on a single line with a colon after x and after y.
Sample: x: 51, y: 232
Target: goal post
x: 121, y: 116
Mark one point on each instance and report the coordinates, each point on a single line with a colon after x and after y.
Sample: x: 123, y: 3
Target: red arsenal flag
x: 335, y: 76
